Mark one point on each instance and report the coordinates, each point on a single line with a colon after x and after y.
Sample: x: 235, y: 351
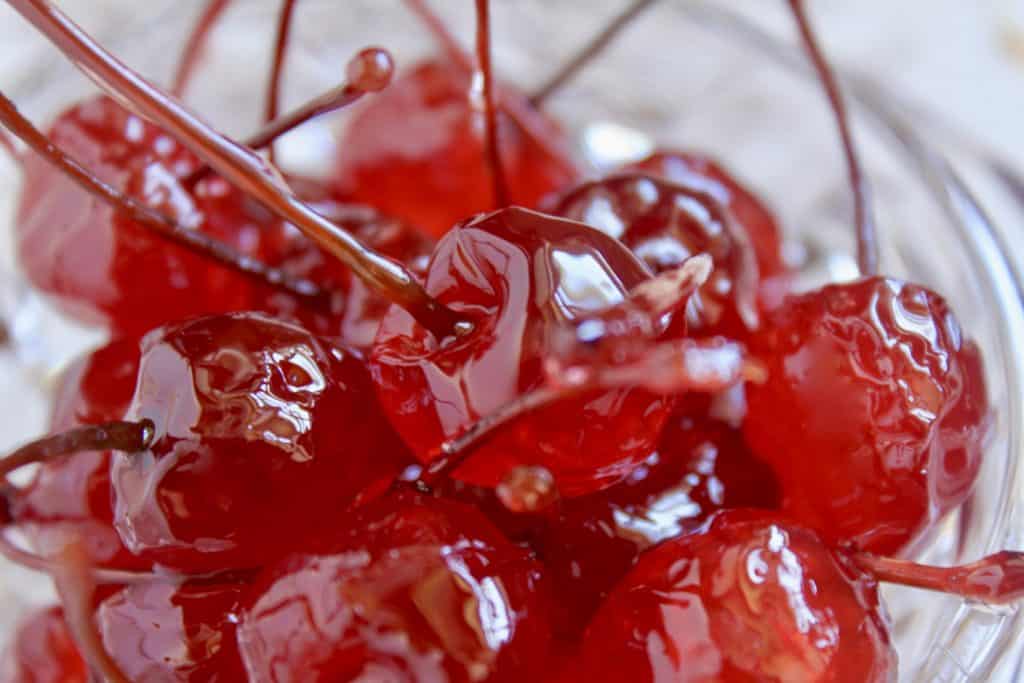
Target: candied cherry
x: 521, y: 277
x: 70, y: 498
x: 417, y: 150
x: 745, y: 598
x: 263, y: 433
x: 101, y: 266
x: 700, y: 466
x: 163, y: 632
x: 874, y: 411
x: 43, y: 651
x: 671, y: 206
x: 418, y: 589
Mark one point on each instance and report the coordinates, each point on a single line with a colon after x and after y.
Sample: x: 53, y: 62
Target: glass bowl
x: 689, y: 75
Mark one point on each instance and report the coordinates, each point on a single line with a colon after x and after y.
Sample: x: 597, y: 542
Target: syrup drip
x: 370, y: 70
x: 129, y: 437
x: 194, y: 45
x: 486, y: 75
x: 995, y: 580
x: 281, y: 38
x: 867, y: 242
x: 592, y: 49
x: 139, y: 212
x: 247, y: 171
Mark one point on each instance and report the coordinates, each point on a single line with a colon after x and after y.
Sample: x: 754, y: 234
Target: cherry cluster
x: 458, y: 411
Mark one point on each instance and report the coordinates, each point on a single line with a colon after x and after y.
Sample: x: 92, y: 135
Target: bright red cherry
x: 745, y: 598
x: 43, y: 651
x: 522, y: 278
x: 671, y: 206
x: 873, y: 412
x: 419, y: 590
x: 416, y: 150
x: 263, y: 434
x: 71, y: 498
x: 103, y: 267
x: 700, y: 466
x: 162, y: 632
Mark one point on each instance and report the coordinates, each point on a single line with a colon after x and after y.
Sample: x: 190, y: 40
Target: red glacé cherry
x: 701, y: 466
x: 416, y: 150
x: 263, y: 434
x: 71, y: 498
x: 417, y: 589
x: 43, y: 651
x: 521, y: 277
x: 162, y: 632
x: 746, y: 598
x: 664, y: 225
x: 873, y: 413
x: 104, y: 268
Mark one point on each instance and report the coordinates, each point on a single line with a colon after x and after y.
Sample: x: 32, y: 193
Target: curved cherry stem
x: 445, y: 40
x: 239, y: 166
x: 129, y: 437
x: 748, y: 271
x: 281, y: 38
x: 162, y: 225
x: 867, y: 241
x: 492, y: 145
x: 336, y: 98
x: 588, y: 52
x: 100, y: 575
x: 996, y: 580
x: 193, y: 49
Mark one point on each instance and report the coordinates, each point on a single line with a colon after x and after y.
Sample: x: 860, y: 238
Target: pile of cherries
x: 390, y: 425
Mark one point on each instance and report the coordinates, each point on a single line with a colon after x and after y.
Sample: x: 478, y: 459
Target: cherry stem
x: 130, y: 437
x: 748, y: 272
x: 867, y: 241
x: 164, y: 226
x: 491, y: 143
x: 239, y: 166
x: 77, y: 591
x: 8, y: 146
x: 592, y: 49
x: 996, y: 580
x: 456, y: 451
x: 281, y: 38
x: 100, y: 575
x: 445, y: 40
x: 194, y: 45
x: 336, y: 98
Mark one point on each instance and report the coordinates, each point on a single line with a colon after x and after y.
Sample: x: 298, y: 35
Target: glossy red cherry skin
x: 416, y: 150
x: 521, y: 277
x: 747, y: 598
x: 43, y: 651
x: 105, y: 269
x: 664, y: 225
x: 700, y: 466
x: 263, y: 434
x: 161, y: 632
x: 873, y: 413
x: 71, y: 498
x: 419, y: 590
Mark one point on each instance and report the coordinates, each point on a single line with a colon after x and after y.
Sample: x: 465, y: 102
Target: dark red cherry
x: 104, y: 268
x: 671, y: 206
x: 264, y: 433
x: 700, y: 466
x: 70, y: 499
x: 522, y: 278
x: 162, y: 632
x: 416, y: 150
x: 419, y: 590
x: 43, y: 651
x: 746, y: 598
x: 354, y: 311
x: 873, y: 412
